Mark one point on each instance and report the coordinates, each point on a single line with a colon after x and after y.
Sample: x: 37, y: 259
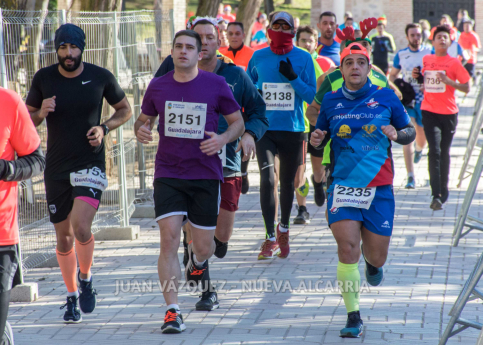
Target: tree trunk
x: 288, y: 2
x: 247, y: 14
x: 208, y: 8
x: 269, y: 7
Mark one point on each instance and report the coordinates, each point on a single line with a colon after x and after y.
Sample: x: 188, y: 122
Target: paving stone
x: 423, y: 277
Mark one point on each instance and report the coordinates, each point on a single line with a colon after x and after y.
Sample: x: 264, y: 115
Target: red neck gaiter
x: 280, y: 42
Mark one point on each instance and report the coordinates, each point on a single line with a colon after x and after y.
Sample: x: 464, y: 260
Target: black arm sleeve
x: 406, y: 135
x: 24, y: 167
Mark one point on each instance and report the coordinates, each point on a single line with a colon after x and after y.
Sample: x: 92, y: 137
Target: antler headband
x: 346, y: 34
x: 367, y: 25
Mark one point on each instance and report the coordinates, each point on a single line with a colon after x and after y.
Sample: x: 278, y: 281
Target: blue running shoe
x: 72, y: 314
x: 353, y: 327
x: 411, y: 183
x: 87, y: 297
x: 417, y: 156
x: 374, y: 275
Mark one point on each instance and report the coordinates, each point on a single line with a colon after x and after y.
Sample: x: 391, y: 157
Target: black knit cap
x: 70, y: 33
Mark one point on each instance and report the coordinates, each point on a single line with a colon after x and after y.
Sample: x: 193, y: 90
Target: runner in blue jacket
x: 285, y: 75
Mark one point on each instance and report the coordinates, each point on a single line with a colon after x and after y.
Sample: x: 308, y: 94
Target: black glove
x: 286, y: 70
x: 420, y: 79
x: 3, y: 169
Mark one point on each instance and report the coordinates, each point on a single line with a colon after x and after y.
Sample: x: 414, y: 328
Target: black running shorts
x: 198, y: 200
x: 61, y: 195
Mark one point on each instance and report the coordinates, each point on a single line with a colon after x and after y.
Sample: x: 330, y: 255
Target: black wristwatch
x: 252, y: 134
x: 105, y: 129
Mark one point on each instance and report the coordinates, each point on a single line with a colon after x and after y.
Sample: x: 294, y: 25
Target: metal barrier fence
x: 131, y: 45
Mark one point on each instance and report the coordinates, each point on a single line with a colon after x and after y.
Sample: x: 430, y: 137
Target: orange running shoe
x: 268, y: 250
x: 282, y: 239
x: 173, y: 322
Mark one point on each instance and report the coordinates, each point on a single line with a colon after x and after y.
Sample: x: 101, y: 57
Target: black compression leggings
x: 290, y: 147
x: 439, y: 130
x: 4, y: 303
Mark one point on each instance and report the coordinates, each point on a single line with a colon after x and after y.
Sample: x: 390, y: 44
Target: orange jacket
x: 242, y: 57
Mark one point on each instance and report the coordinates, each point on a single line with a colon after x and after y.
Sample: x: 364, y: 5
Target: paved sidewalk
x: 423, y: 276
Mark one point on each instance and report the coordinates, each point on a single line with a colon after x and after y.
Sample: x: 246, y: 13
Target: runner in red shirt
x: 259, y: 24
x: 443, y: 75
x: 470, y: 41
x: 227, y: 15
x: 17, y: 135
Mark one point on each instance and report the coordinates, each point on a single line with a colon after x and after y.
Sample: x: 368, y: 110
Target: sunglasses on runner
x: 277, y: 26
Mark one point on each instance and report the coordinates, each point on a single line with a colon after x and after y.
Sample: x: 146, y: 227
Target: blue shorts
x: 378, y: 218
x: 415, y: 113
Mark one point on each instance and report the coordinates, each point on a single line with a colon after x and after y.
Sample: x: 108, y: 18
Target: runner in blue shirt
x: 256, y: 124
x: 361, y: 119
x: 327, y: 46
x: 286, y: 76
x: 405, y: 61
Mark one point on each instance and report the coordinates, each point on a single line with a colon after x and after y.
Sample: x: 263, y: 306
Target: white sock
x: 272, y: 239
x: 197, y: 263
x: 417, y: 148
x: 411, y: 174
x: 75, y: 293
x: 282, y: 229
x: 173, y: 306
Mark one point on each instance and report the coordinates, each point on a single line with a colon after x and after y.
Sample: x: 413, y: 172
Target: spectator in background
x: 346, y: 16
x: 446, y: 20
x: 296, y: 23
x: 190, y: 14
x: 470, y: 42
x: 237, y: 51
x: 220, y: 11
x: 223, y: 26
x: 306, y: 37
x: 382, y: 45
x: 462, y: 15
x: 426, y: 32
x: 260, y: 39
x: 454, y: 49
x: 327, y: 46
x: 348, y: 22
x: 227, y: 15
x: 260, y: 24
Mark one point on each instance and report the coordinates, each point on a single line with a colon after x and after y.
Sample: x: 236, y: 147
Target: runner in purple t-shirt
x: 188, y: 170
